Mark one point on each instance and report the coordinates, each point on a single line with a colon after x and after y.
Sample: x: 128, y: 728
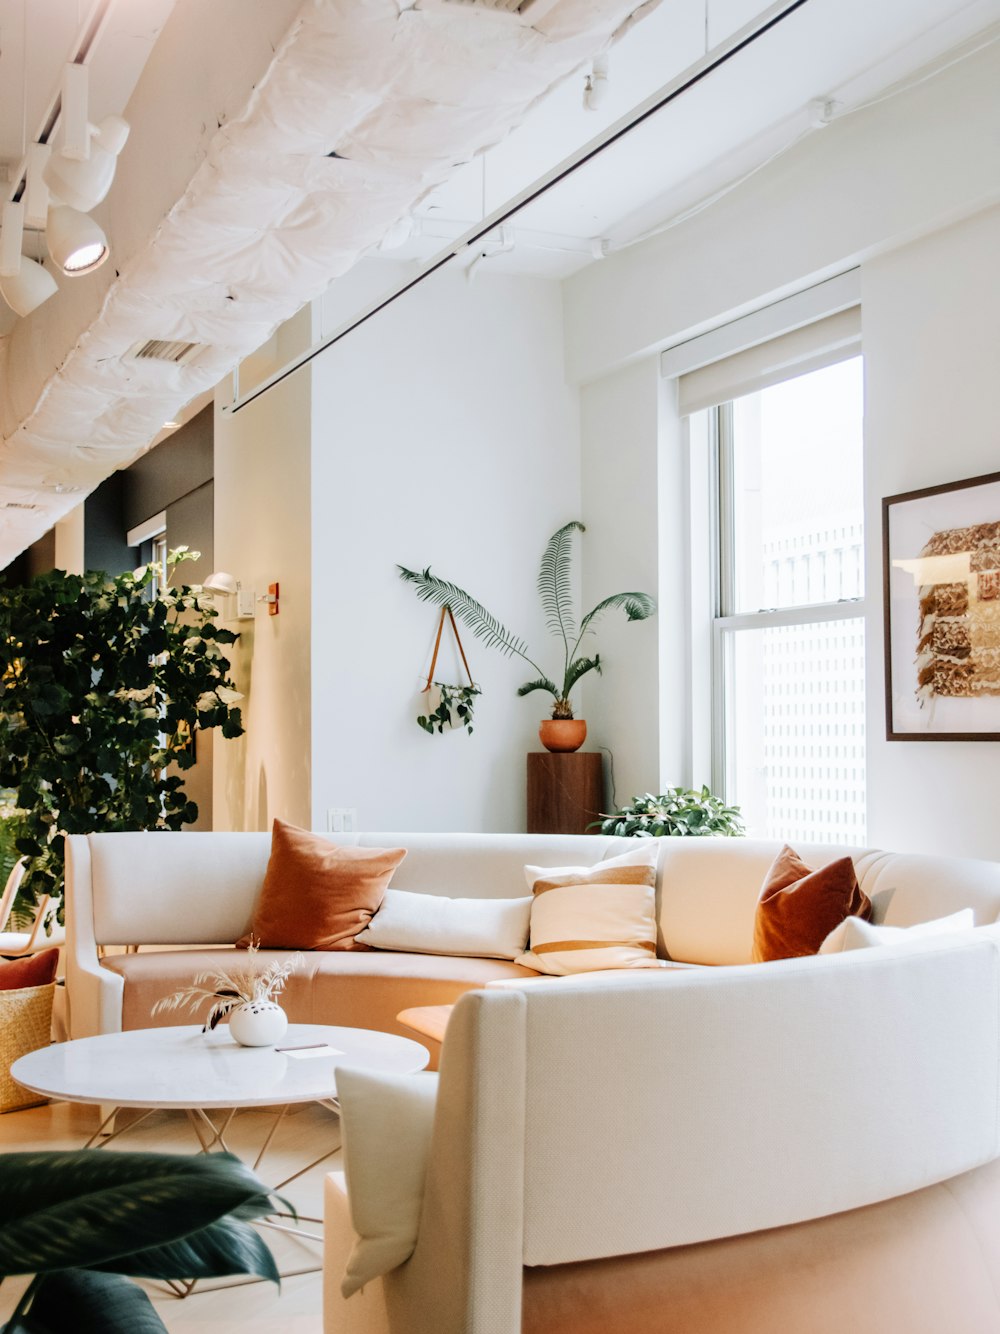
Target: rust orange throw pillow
x: 798, y: 907
x: 317, y: 896
x: 33, y: 970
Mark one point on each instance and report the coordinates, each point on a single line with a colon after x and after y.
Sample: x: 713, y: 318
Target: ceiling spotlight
x: 76, y: 243
x: 171, y: 426
x: 84, y: 183
x: 29, y: 288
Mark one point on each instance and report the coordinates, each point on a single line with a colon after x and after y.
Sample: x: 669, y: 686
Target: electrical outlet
x: 342, y: 820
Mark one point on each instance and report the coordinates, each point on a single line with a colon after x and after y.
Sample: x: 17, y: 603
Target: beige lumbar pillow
x: 433, y: 924
x: 585, y: 918
x: 855, y: 934
x: 386, y: 1121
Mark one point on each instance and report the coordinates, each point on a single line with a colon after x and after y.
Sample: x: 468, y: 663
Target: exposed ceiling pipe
x: 338, y: 138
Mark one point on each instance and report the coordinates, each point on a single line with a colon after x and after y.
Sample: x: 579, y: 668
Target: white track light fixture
x: 11, y: 236
x: 36, y: 192
x: 595, y: 85
x: 32, y: 285
x: 76, y: 243
x: 83, y: 184
x: 73, y: 112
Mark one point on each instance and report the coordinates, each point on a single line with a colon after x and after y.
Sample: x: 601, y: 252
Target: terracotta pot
x: 562, y: 733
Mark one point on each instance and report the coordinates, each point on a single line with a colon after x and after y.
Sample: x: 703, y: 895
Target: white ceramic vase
x: 258, y: 1024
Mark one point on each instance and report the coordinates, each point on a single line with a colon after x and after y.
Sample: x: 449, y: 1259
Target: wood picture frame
x: 941, y: 607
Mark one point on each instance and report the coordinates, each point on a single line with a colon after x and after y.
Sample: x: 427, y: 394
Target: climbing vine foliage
x: 105, y: 683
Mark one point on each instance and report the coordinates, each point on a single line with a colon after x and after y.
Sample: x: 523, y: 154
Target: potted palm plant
x: 555, y: 586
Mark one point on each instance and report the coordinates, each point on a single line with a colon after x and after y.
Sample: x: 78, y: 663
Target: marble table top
x: 184, y: 1067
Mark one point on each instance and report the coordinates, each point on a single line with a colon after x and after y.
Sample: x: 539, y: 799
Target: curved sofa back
x: 709, y: 889
x: 200, y: 888
x: 643, y: 1111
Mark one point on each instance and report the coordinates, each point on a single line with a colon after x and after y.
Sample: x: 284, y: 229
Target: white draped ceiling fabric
x: 363, y: 109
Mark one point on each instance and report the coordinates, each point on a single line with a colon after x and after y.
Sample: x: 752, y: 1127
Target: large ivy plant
x: 102, y: 686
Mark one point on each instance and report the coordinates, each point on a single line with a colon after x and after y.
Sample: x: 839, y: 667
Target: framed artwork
x: 941, y: 580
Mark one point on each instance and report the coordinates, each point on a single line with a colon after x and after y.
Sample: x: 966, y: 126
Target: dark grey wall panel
x: 104, y: 528
x: 190, y: 523
x: 180, y: 464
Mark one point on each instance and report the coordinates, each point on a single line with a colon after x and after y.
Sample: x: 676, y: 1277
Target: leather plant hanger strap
x: 446, y: 611
x: 458, y: 641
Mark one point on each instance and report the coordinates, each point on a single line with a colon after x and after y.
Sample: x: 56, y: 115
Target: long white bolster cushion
x: 386, y: 1121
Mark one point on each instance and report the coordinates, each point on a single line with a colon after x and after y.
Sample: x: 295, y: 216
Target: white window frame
x: 726, y: 621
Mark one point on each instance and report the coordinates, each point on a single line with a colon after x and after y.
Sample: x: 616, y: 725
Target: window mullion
x: 725, y: 510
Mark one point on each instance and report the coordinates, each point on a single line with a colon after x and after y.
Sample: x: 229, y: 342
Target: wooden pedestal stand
x: 565, y: 791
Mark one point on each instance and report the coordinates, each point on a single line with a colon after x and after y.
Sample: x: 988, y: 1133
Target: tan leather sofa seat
x: 355, y: 988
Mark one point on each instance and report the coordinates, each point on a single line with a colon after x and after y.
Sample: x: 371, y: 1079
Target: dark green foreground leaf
x: 154, y: 1214
x: 78, y: 1302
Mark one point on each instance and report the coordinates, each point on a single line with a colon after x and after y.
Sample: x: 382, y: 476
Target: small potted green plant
x: 555, y: 586
x: 680, y: 811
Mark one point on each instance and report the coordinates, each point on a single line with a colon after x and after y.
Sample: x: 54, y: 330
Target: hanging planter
x: 447, y: 705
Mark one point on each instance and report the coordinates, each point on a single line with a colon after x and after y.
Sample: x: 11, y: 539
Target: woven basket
x: 25, y: 1025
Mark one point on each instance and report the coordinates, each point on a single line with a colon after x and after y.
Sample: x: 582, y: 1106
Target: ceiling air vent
x: 165, y: 350
x: 19, y: 505
x: 528, y: 11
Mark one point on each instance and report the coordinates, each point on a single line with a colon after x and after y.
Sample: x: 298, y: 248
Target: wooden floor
x: 304, y: 1134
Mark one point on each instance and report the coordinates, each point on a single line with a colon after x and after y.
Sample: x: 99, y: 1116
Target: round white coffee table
x: 186, y: 1069
x: 160, y: 1068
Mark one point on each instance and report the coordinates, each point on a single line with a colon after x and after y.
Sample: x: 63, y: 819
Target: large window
x: 789, y: 645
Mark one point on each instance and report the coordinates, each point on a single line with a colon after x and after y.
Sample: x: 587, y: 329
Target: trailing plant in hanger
x: 555, y: 587
x: 452, y: 700
x: 453, y: 705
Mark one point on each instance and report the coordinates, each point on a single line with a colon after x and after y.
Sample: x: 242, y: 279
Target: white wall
x: 620, y: 467
x: 262, y: 535
x: 445, y: 435
x: 862, y: 185
x: 860, y: 192
x: 931, y: 331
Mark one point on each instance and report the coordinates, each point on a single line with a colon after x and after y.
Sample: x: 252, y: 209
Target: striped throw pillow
x: 585, y: 918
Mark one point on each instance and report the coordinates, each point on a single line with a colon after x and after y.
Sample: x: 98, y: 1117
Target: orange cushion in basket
x: 34, y: 970
x: 317, y: 896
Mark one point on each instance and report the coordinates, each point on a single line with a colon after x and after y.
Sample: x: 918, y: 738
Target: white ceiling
x: 847, y: 51
x: 844, y: 51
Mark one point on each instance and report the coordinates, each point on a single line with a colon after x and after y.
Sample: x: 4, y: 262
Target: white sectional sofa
x: 804, y: 1146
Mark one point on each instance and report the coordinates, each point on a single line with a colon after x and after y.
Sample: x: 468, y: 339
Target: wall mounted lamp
x: 223, y: 584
